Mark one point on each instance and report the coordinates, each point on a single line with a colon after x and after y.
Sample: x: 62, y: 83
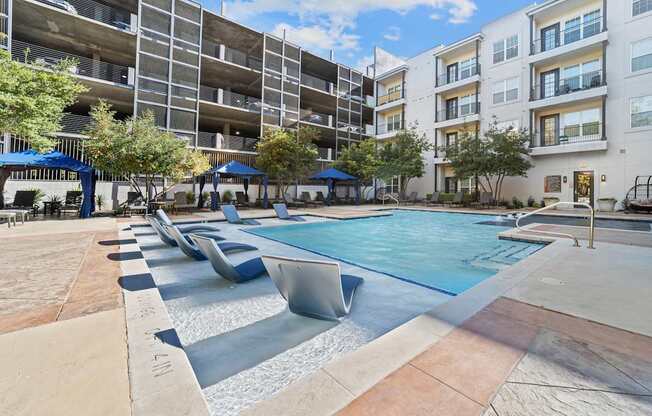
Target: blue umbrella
x: 330, y: 176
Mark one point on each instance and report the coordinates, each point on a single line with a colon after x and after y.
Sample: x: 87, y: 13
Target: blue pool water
x: 443, y: 251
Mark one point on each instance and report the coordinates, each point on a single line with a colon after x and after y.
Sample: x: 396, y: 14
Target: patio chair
x: 283, y: 214
x: 241, y: 200
x: 307, y: 199
x: 411, y: 199
x: 243, y: 272
x: 231, y: 214
x: 293, y: 202
x: 189, y: 248
x: 72, y: 203
x: 433, y: 200
x: 168, y: 239
x: 180, y: 202
x: 23, y: 200
x: 313, y: 288
x: 458, y: 199
x: 319, y: 197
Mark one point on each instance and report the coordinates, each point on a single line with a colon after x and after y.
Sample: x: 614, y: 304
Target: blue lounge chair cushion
x: 283, y: 214
x: 349, y: 285
x: 250, y: 269
x: 232, y: 216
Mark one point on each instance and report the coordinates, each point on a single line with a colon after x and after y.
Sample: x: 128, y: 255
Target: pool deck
x: 565, y: 331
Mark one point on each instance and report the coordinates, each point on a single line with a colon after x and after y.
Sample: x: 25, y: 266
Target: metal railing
x: 588, y: 132
x: 220, y: 141
x: 458, y: 112
x: 384, y: 128
x: 391, y: 97
x: 590, y: 80
x: 229, y: 98
x: 49, y: 58
x: 325, y: 153
x: 574, y: 204
x: 113, y: 16
x: 232, y: 55
x: 316, y: 83
x: 570, y: 35
x: 74, y: 123
x: 462, y: 74
x: 316, y: 117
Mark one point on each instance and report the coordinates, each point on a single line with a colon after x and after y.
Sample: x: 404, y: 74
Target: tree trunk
x: 4, y: 175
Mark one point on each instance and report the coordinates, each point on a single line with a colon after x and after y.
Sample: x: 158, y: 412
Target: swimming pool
x: 448, y: 252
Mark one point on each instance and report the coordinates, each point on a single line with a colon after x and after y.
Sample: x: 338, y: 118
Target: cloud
x: 435, y: 16
x: 317, y: 38
x: 364, y: 62
x: 393, y: 33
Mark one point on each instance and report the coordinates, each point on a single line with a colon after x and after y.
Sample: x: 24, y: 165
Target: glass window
x: 642, y: 55
x: 290, y: 102
x: 591, y: 23
x: 182, y: 120
x: 591, y: 74
x: 273, y: 62
x: 641, y: 6
x: 155, y: 92
x: 552, y: 184
x: 345, y: 73
x: 273, y: 98
x: 153, y: 67
x: 155, y: 46
x: 292, y: 52
x: 186, y: 31
x: 511, y: 89
x: 641, y: 111
x: 273, y: 81
x: 185, y: 56
x: 499, y: 92
x: 190, y: 12
x: 160, y: 113
x: 356, y: 77
x: 468, y: 68
x: 499, y: 51
x: 571, y: 81
x: 274, y: 45
x: 291, y: 86
x: 161, y: 4
x: 155, y: 20
x: 511, y: 48
x: 184, y: 75
x: 572, y: 31
x: 292, y: 69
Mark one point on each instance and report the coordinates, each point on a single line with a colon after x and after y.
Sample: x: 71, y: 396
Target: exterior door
x: 549, y: 83
x: 450, y: 185
x: 451, y: 73
x: 451, y: 109
x: 549, y: 37
x: 550, y: 130
x: 583, y: 187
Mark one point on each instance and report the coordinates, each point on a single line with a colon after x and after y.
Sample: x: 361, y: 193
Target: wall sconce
x: 603, y: 178
x: 565, y: 179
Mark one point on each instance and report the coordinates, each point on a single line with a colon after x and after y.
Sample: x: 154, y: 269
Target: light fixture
x: 565, y: 179
x: 603, y: 178
x: 237, y: 133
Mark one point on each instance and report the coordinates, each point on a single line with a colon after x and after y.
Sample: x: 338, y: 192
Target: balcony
x: 571, y: 40
x: 314, y: 117
x: 386, y: 130
x: 74, y: 124
x: 581, y: 87
x: 578, y: 138
x: 112, y: 16
x: 392, y: 97
x: 234, y: 56
x: 317, y: 83
x: 462, y: 114
x: 84, y: 67
x: 464, y: 76
x: 218, y: 141
x: 229, y: 98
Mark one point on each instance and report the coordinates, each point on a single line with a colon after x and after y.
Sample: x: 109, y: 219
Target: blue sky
x: 353, y: 27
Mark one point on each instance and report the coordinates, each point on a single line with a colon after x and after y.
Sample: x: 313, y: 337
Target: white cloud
x: 364, y: 62
x: 317, y: 38
x: 393, y: 33
x: 435, y: 16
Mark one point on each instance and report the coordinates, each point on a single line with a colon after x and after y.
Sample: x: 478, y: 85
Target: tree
x: 403, y: 157
x: 137, y: 148
x: 33, y: 97
x: 360, y: 160
x: 286, y: 156
x: 499, y: 153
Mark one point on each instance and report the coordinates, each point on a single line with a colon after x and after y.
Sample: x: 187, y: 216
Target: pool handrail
x: 577, y: 243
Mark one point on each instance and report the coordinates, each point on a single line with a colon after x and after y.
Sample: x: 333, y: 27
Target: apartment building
x: 577, y: 74
x: 213, y: 82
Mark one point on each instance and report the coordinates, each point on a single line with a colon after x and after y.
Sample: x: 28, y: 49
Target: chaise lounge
x: 231, y: 214
x: 283, y: 214
x: 158, y: 227
x: 243, y: 272
x: 313, y: 288
x: 188, y: 247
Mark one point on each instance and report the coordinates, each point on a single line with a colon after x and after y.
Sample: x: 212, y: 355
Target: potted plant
x: 607, y: 204
x: 549, y: 200
x: 205, y: 197
x: 190, y: 197
x: 228, y: 196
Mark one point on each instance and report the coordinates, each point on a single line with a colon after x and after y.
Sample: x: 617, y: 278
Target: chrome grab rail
x: 577, y: 243
x: 384, y: 196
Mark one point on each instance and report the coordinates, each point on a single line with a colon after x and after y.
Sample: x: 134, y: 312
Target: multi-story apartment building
x: 577, y: 74
x: 211, y: 81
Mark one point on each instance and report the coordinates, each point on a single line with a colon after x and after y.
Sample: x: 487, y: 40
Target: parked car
x: 61, y: 4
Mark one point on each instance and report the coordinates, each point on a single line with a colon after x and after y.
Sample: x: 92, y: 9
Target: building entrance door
x: 583, y: 187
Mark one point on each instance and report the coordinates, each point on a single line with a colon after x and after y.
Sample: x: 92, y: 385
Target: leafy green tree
x: 499, y: 153
x: 286, y: 156
x: 403, y: 157
x: 137, y: 148
x: 360, y: 160
x: 33, y: 97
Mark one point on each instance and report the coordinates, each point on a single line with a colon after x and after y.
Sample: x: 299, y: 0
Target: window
x: 581, y: 76
x: 468, y: 68
x: 505, y: 91
x: 641, y: 6
x: 591, y: 23
x: 506, y: 49
x: 580, y: 125
x: 641, y: 111
x: 552, y: 184
x: 467, y: 105
x: 572, y: 31
x: 451, y: 138
x: 642, y: 55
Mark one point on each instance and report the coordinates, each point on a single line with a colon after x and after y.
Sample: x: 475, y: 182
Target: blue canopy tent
x: 30, y: 159
x: 333, y: 175
x: 237, y: 169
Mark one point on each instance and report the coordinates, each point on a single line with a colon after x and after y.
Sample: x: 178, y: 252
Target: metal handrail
x: 577, y: 243
x: 385, y: 196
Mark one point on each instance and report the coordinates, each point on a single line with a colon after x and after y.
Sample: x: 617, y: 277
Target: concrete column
x: 96, y: 65
x: 604, y: 63
x: 436, y: 71
x: 530, y: 121
x: 531, y: 35
x: 604, y: 15
x: 227, y: 128
x: 604, y: 118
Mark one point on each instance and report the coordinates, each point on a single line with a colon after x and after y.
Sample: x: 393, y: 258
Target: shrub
x: 516, y: 203
x: 446, y: 197
x: 530, y: 202
x: 190, y: 197
x: 228, y: 196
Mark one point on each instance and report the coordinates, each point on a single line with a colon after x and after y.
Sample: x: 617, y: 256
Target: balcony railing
x: 74, y: 123
x: 316, y: 117
x: 234, y: 56
x: 220, y: 141
x: 325, y: 153
x: 570, y: 35
x: 229, y: 98
x: 49, y: 58
x: 458, y: 112
x: 317, y: 83
x: 462, y: 74
x: 392, y: 96
x: 386, y: 128
x: 568, y: 85
x: 113, y: 16
x: 587, y: 132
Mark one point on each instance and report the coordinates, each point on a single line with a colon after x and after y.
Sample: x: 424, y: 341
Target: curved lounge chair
x: 232, y: 216
x: 189, y: 248
x: 185, y: 228
x: 283, y: 214
x: 243, y: 272
x: 313, y: 288
x: 168, y: 239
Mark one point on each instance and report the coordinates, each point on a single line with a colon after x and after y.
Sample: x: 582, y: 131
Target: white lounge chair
x: 313, y: 288
x: 283, y: 214
x: 243, y: 272
x: 232, y: 216
x: 188, y: 247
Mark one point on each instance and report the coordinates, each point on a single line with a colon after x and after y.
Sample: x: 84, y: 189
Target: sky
x: 352, y: 28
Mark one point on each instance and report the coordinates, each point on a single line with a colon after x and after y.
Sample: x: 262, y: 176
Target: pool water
x: 443, y: 251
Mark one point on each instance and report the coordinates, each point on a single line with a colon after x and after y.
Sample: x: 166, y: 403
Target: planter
x: 606, y: 204
x: 549, y: 200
